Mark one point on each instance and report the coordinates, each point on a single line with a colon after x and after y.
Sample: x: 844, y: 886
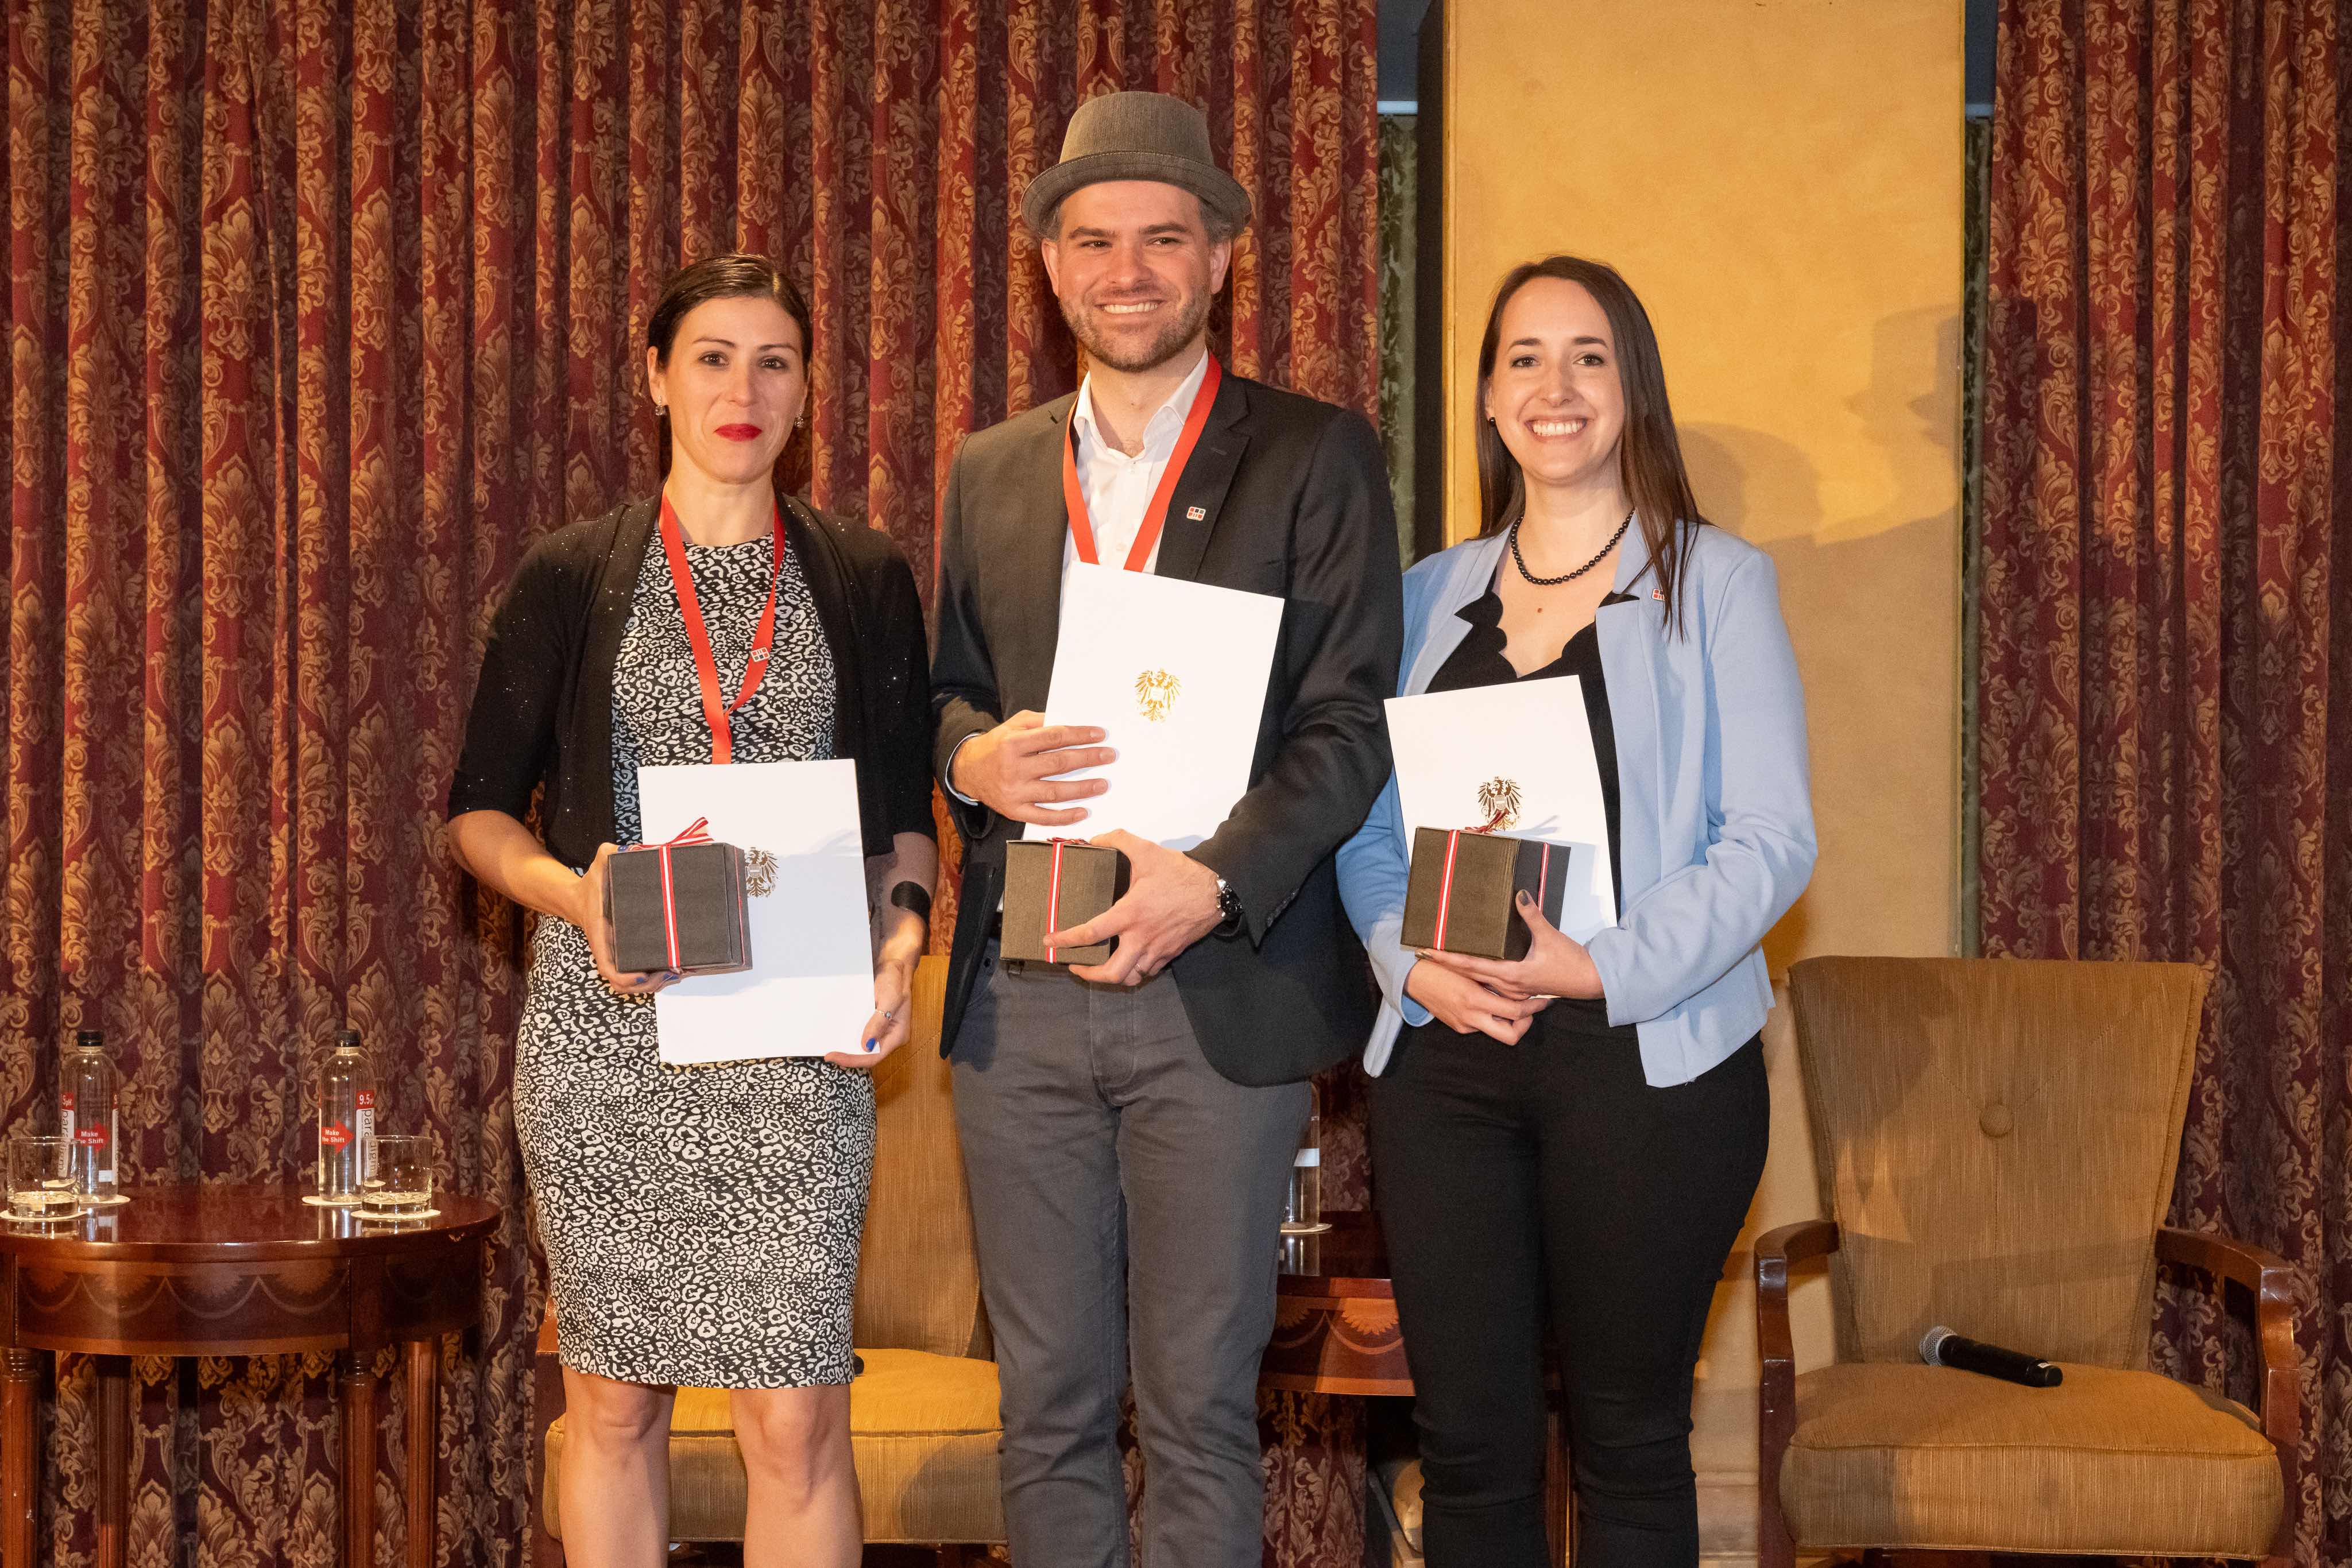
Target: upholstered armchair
x: 923, y: 1414
x: 1996, y: 1143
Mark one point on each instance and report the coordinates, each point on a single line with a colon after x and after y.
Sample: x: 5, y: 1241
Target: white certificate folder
x: 1458, y: 753
x: 810, y: 989
x: 1175, y: 673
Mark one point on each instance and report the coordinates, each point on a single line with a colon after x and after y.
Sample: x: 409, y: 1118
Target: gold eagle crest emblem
x: 1499, y: 798
x: 1155, y: 694
x: 759, y: 873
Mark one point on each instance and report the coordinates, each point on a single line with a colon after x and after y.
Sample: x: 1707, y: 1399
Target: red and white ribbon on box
x: 696, y: 833
x: 1053, y: 892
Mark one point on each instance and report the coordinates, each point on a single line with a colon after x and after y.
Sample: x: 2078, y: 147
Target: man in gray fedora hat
x: 1129, y: 1126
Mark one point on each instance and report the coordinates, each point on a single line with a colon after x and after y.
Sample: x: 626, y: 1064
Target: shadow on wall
x: 1871, y: 602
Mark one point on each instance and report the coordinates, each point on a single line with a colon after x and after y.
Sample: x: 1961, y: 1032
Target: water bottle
x: 1302, y: 1209
x: 89, y: 1115
x: 346, y: 1121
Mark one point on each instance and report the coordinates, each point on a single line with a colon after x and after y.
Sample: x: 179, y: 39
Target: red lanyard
x: 706, y: 666
x: 1074, y: 497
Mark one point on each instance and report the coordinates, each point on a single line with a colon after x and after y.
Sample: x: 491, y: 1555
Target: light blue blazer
x: 1716, y: 825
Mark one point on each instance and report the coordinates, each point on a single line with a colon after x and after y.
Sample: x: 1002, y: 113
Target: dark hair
x: 1648, y: 454
x: 737, y: 275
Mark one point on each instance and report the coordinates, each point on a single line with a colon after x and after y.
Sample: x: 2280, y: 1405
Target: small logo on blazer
x: 1194, y: 514
x: 1658, y: 593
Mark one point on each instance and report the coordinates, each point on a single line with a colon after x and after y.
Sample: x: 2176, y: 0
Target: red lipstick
x: 740, y: 432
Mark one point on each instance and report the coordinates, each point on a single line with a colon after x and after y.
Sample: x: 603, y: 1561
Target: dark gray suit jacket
x: 1294, y: 502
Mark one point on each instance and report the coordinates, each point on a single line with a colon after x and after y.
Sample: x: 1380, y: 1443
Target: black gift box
x: 702, y: 898
x: 1462, y: 894
x: 1052, y: 885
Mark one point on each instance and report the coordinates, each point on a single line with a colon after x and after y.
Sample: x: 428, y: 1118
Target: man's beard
x: 1180, y: 329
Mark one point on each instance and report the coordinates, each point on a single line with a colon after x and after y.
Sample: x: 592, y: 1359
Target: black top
x: 1480, y: 661
x: 542, y: 712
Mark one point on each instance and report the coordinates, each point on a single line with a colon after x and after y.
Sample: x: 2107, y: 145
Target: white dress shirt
x: 1117, y: 488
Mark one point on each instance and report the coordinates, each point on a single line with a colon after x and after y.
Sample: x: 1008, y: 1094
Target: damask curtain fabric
x: 2167, y: 592
x: 319, y: 313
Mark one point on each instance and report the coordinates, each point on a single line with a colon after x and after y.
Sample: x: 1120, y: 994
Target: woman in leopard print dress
x: 701, y: 1224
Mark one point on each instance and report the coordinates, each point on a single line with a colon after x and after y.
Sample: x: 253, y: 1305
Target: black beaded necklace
x: 1521, y: 561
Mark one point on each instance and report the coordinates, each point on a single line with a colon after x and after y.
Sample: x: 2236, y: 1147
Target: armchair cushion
x: 924, y: 1428
x: 2110, y: 1462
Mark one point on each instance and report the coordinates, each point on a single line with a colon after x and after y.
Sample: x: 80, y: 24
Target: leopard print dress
x: 701, y: 1223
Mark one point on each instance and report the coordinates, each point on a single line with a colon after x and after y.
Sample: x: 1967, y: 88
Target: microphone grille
x: 1931, y: 1344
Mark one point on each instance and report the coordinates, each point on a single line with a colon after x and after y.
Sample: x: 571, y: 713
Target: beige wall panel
x: 1780, y: 182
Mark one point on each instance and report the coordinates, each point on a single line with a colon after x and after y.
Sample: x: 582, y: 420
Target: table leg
x: 424, y: 1361
x: 20, y: 1456
x: 1559, y: 1500
x: 359, y: 1461
x: 113, y: 1457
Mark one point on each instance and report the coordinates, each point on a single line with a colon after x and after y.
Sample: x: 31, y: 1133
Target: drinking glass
x: 1302, y: 1207
x: 40, y: 1178
x: 399, y: 1180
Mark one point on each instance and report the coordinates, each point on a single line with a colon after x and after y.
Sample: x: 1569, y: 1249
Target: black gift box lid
x: 707, y: 887
x: 1482, y: 919
x: 1094, y: 877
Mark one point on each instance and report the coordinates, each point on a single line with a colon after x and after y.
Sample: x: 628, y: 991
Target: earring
x: 660, y: 410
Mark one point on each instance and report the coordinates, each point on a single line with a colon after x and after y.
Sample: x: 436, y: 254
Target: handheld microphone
x: 1942, y: 1347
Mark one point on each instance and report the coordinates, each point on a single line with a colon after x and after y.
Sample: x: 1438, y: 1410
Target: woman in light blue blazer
x: 1571, y: 1141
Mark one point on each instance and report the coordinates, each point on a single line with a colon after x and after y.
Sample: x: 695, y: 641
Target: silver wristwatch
x: 1229, y: 905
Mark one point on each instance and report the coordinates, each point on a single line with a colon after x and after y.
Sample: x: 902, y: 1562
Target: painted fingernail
x: 870, y: 1044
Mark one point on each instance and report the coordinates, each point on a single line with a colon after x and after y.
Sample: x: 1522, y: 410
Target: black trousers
x: 1547, y: 1182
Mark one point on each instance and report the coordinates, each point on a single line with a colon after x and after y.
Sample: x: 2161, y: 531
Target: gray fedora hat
x: 1136, y: 136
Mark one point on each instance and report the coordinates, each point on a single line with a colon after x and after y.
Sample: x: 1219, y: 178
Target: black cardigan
x: 543, y: 708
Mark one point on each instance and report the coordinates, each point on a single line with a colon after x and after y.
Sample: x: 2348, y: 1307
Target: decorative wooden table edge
x: 147, y: 1277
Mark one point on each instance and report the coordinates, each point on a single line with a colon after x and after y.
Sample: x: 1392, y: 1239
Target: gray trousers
x: 1127, y: 1201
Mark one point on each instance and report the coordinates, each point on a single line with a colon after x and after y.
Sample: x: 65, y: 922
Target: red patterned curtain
x: 2167, y: 620
x: 319, y: 313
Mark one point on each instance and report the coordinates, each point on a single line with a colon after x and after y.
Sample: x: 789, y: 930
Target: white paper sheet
x: 1451, y: 746
x: 1175, y: 673
x: 810, y: 988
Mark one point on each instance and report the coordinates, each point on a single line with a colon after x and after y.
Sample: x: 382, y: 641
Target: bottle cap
x: 347, y: 1039
x: 88, y: 1039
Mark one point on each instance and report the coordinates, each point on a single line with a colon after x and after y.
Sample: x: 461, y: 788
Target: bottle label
x: 113, y: 1144
x: 90, y: 1137
x: 66, y: 1115
x: 334, y: 1134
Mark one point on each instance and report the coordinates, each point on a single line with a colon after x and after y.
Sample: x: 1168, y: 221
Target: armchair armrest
x: 1776, y: 1390
x: 2270, y: 1281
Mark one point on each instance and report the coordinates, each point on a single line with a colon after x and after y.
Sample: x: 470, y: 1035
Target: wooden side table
x: 1335, y: 1331
x: 234, y: 1271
